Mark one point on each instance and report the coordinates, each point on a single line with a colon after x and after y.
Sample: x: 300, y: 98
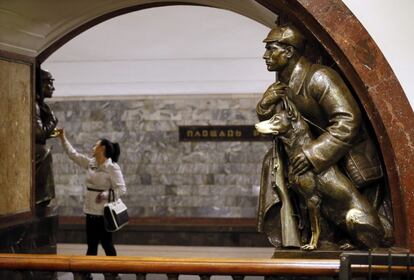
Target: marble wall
x: 164, y: 177
x: 15, y: 137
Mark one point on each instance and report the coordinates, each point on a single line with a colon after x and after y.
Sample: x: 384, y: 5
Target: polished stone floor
x: 169, y: 251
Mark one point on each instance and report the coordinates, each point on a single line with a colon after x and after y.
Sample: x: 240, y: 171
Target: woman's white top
x: 100, y: 178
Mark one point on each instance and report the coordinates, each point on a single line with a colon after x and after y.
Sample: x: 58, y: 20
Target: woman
x: 103, y: 173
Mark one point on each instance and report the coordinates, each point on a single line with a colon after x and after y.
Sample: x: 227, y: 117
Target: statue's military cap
x: 288, y: 35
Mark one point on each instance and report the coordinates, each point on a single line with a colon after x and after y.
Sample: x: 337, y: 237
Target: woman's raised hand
x: 61, y: 132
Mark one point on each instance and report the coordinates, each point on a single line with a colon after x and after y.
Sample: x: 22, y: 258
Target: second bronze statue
x: 45, y: 123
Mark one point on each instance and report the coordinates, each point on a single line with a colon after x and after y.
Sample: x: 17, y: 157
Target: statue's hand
x: 300, y: 164
x: 274, y: 93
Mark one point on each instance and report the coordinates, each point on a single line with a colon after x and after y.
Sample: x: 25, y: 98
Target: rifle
x: 289, y: 226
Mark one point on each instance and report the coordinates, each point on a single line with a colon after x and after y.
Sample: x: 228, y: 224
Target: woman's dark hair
x: 112, y: 150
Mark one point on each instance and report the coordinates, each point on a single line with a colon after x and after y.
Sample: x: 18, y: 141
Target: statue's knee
x: 354, y: 216
x: 364, y: 228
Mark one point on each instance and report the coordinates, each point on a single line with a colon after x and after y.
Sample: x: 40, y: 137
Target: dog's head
x: 281, y: 122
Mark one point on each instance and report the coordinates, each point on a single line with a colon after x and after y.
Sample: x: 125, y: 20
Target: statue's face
x: 276, y: 56
x: 47, y: 85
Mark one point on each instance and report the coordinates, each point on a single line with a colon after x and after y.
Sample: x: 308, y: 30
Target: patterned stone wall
x: 15, y: 140
x: 164, y: 177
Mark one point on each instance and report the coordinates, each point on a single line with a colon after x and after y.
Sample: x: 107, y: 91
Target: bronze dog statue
x: 329, y: 192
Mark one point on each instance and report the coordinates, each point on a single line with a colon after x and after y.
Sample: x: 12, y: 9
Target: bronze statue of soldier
x: 324, y: 100
x: 329, y: 192
x: 44, y: 124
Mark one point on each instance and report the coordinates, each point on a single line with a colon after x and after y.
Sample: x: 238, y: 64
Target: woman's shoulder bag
x: 115, y: 213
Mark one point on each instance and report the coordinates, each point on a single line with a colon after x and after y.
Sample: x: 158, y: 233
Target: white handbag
x: 115, y: 213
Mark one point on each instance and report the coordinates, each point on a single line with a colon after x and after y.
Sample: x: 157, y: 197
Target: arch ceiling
x: 28, y: 28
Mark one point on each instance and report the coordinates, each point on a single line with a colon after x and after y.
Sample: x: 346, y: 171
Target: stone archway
x: 331, y: 24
